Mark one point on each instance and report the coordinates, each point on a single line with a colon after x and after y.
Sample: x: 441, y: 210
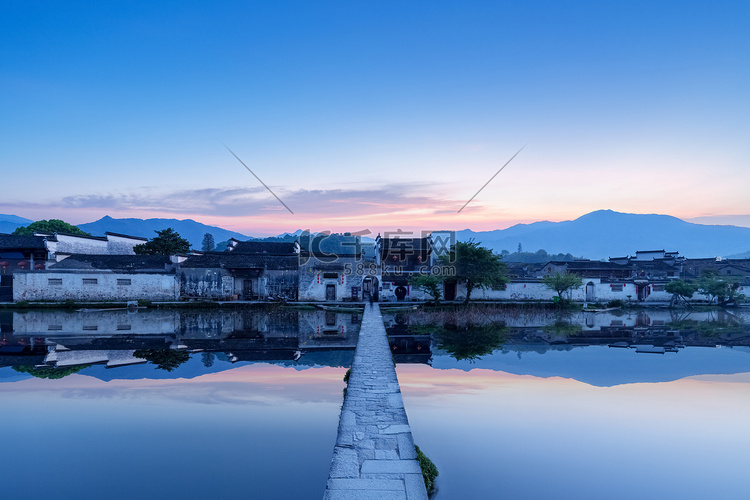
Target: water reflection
x: 581, y: 405
x: 49, y: 344
x: 474, y: 333
x: 172, y: 404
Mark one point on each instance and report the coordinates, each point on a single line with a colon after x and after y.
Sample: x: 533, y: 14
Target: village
x: 64, y: 267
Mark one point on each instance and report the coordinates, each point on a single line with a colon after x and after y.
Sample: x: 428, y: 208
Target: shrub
x: 429, y: 470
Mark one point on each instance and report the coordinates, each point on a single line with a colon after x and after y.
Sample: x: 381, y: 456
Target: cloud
x: 226, y: 202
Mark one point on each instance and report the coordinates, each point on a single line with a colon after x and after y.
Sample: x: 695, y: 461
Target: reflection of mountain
x: 606, y: 366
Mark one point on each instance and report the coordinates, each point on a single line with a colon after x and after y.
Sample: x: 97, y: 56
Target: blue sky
x: 374, y: 114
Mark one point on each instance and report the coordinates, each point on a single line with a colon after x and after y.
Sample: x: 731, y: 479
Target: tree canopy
x: 429, y: 284
x: 562, y: 282
x: 167, y: 242
x: 208, y: 244
x: 476, y: 266
x: 681, y: 288
x: 725, y: 289
x: 49, y: 226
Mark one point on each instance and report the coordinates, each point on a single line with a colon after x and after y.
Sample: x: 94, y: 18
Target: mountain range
x: 605, y: 233
x: 189, y: 229
x: 145, y: 228
x: 596, y: 235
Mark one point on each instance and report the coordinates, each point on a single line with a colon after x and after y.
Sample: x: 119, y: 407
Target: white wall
x: 37, y: 286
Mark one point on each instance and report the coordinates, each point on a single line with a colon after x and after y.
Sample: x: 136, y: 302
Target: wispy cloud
x: 230, y: 202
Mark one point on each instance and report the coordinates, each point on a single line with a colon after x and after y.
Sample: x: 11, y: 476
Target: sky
x: 374, y: 115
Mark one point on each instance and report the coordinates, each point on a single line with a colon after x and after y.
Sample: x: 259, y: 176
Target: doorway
x: 590, y: 292
x: 330, y: 292
x: 449, y: 290
x: 247, y: 289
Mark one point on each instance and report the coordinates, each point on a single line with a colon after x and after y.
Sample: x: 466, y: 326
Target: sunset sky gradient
x: 374, y: 115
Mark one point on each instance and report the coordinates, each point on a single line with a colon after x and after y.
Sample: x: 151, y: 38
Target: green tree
x: 167, y: 242
x: 476, y: 266
x: 562, y: 282
x: 49, y: 226
x: 681, y: 289
x: 725, y: 289
x: 208, y: 243
x: 164, y: 359
x: 429, y: 284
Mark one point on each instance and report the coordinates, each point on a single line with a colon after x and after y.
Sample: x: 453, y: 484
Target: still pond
x: 522, y: 404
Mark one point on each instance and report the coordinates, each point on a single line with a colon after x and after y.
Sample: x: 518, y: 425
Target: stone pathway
x: 374, y: 457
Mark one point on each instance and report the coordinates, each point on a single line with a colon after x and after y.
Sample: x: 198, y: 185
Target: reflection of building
x: 653, y: 331
x: 50, y: 338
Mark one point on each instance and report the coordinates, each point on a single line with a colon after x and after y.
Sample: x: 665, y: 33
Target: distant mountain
x: 602, y: 366
x: 743, y: 255
x: 189, y: 229
x: 9, y: 223
x: 605, y: 233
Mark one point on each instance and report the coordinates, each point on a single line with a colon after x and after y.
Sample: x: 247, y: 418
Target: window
x: 657, y: 288
x: 616, y: 287
x: 331, y: 275
x: 90, y: 281
x: 123, y: 327
x: 123, y: 282
x: 90, y: 328
x: 54, y: 328
x: 54, y: 281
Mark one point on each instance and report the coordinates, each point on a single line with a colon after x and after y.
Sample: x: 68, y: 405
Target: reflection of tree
x: 562, y: 328
x: 473, y: 342
x: 208, y: 359
x: 164, y: 359
x: 714, y: 328
x: 49, y: 371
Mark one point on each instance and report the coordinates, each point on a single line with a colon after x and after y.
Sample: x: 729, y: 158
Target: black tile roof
x: 51, y: 236
x: 14, y: 242
x: 126, y: 236
x: 113, y: 262
x: 414, y: 244
x: 264, y: 247
x: 230, y: 260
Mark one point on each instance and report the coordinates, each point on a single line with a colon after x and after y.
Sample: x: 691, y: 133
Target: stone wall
x: 203, y: 283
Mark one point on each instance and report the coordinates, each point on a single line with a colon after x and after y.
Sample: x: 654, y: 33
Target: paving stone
x: 345, y: 463
x: 396, y: 429
x: 364, y: 495
x: 388, y: 466
x: 374, y: 456
x: 415, y: 489
x: 366, y: 484
x: 406, y: 448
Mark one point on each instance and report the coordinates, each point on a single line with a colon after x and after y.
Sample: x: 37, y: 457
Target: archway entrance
x: 590, y: 292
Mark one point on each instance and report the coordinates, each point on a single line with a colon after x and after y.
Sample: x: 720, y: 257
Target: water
x: 564, y: 416
x: 254, y: 415
x: 522, y: 404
